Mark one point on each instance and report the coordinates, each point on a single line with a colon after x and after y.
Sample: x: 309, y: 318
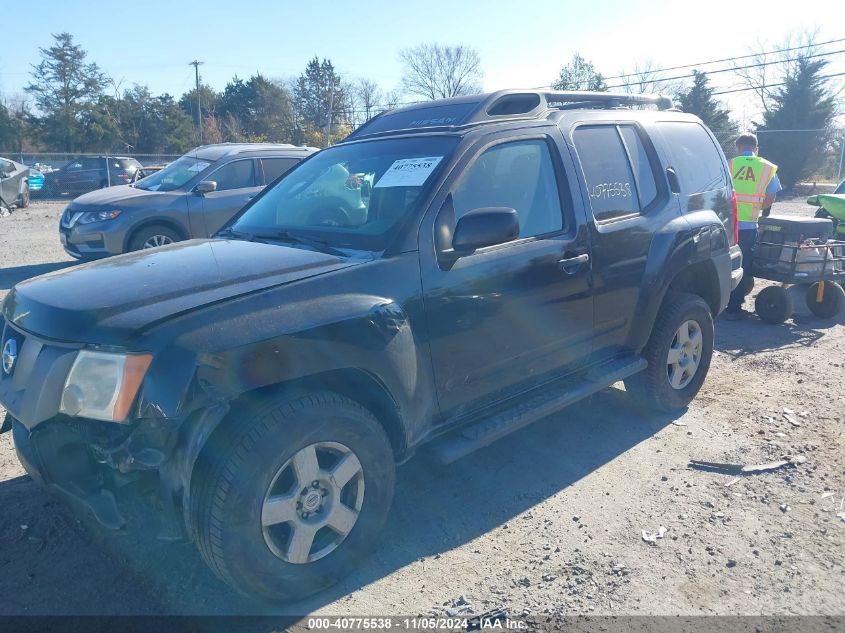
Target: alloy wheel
x: 684, y: 354
x: 313, y: 502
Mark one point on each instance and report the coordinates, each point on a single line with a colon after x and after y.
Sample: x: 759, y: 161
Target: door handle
x: 570, y: 265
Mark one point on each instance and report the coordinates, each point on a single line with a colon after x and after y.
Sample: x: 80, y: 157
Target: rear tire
x: 23, y: 198
x: 773, y: 305
x: 832, y: 302
x: 153, y: 236
x: 678, y: 352
x: 257, y: 498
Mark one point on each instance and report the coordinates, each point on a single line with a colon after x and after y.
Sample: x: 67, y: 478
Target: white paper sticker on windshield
x: 198, y: 166
x: 408, y: 172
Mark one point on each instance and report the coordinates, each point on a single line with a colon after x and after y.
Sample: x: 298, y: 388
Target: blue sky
x: 522, y: 44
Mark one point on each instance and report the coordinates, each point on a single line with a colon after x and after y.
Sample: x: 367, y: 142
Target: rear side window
x: 609, y: 177
x: 518, y: 175
x: 697, y: 160
x: 275, y: 167
x: 238, y: 174
x: 643, y: 171
x: 93, y: 163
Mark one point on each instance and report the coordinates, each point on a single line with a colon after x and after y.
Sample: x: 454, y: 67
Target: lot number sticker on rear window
x: 409, y: 172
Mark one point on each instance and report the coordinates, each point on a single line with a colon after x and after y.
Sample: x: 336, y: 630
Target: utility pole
x: 196, y: 64
x: 331, y: 106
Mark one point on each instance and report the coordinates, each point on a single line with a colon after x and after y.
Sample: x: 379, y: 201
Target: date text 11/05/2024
x: 494, y: 622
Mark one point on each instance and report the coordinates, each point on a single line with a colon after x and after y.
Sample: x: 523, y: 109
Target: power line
x: 725, y: 92
x: 731, y: 59
x: 721, y: 70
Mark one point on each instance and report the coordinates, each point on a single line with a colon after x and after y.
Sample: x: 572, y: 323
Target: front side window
x: 518, y: 175
x: 608, y: 174
x: 354, y: 195
x: 239, y: 174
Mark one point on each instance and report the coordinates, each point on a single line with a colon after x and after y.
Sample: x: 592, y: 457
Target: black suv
x: 89, y: 173
x: 450, y: 273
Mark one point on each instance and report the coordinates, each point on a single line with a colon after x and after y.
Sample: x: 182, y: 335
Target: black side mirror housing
x: 486, y: 226
x: 205, y: 186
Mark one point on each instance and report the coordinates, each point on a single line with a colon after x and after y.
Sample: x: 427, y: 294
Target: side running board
x: 488, y: 430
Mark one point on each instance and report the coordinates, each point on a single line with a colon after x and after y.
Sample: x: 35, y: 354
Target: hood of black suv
x: 108, y: 302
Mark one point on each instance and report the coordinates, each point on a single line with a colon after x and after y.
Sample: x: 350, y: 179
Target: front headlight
x: 97, y: 216
x: 103, y: 385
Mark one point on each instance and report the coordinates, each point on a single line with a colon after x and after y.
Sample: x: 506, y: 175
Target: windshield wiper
x: 296, y: 238
x: 230, y: 232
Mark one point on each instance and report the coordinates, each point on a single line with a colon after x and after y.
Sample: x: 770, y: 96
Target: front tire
x: 678, y: 352
x: 773, y: 305
x: 291, y: 497
x: 152, y: 237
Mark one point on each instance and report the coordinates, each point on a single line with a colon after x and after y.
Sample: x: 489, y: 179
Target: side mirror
x: 486, y: 226
x: 205, y: 186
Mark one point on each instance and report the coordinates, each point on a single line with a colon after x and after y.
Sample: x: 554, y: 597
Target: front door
x: 508, y: 317
x: 236, y: 185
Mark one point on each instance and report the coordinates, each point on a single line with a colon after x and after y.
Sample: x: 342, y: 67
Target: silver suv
x: 193, y: 196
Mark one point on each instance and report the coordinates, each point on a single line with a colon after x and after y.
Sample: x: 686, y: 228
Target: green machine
x: 831, y: 205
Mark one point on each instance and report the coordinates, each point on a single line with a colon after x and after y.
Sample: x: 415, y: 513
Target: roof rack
x: 606, y: 99
x: 498, y: 106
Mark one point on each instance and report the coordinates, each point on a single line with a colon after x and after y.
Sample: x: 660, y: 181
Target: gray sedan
x: 194, y: 196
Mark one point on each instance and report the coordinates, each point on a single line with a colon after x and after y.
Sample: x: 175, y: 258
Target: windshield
x: 352, y: 195
x: 840, y: 188
x: 174, y: 175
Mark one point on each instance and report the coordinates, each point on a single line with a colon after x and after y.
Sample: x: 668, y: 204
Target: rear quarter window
x: 697, y: 160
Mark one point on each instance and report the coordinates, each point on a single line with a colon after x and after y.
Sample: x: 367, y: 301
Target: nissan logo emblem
x: 10, y: 355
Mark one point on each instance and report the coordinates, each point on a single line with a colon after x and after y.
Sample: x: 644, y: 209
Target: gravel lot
x: 545, y: 524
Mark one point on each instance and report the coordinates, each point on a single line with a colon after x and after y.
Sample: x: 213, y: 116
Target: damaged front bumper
x: 100, y: 467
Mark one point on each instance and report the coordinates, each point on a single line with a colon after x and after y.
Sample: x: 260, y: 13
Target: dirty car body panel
x: 371, y: 296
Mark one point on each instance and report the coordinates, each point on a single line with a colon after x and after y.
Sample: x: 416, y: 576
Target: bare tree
x: 763, y: 68
x: 647, y: 77
x: 435, y: 71
x: 369, y: 96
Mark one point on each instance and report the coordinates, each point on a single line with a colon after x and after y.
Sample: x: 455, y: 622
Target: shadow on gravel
x: 10, y: 276
x: 753, y: 335
x: 54, y: 566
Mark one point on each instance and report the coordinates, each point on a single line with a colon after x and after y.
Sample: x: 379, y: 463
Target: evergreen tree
x: 804, y: 102
x: 699, y: 100
x: 64, y: 86
x: 579, y: 74
x: 317, y: 94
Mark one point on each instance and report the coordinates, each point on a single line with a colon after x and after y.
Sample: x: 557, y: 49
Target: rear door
x: 238, y: 182
x: 272, y: 168
x: 618, y: 173
x: 508, y: 317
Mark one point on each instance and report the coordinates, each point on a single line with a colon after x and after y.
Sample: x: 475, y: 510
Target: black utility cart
x: 799, y: 251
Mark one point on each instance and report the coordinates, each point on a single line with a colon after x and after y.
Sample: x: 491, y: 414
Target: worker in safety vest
x: 756, y: 185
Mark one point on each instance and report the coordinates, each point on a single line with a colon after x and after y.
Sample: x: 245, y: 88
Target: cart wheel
x: 747, y: 285
x: 833, y: 299
x: 773, y: 304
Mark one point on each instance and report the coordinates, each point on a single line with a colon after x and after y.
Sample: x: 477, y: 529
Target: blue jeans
x: 747, y: 243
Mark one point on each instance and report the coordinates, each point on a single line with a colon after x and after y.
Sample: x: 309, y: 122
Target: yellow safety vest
x: 751, y: 175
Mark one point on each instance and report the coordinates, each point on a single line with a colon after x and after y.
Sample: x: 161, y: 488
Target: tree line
x: 71, y: 106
